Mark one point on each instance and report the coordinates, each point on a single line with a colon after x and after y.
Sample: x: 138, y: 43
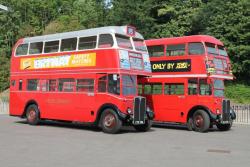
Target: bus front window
x: 139, y: 45
x: 128, y: 85
x: 123, y: 41
x: 211, y: 49
x: 218, y: 88
x: 222, y: 51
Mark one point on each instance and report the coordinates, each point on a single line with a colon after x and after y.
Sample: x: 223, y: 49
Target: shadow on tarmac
x: 81, y: 126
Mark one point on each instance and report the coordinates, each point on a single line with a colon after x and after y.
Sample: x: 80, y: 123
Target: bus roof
x: 184, y: 39
x: 81, y: 33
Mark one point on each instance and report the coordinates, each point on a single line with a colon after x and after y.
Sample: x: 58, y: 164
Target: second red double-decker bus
x: 88, y: 76
x: 187, y: 85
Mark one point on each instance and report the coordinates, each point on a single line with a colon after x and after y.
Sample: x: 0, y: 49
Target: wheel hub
x: 109, y: 120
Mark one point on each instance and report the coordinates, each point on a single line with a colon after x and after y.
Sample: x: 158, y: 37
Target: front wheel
x: 201, y: 121
x: 145, y: 127
x: 110, y: 122
x: 225, y: 127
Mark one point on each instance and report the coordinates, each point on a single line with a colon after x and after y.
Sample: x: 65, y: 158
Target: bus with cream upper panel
x: 87, y: 76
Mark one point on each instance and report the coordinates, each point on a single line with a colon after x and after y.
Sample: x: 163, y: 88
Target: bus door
x: 85, y: 99
x: 174, y: 102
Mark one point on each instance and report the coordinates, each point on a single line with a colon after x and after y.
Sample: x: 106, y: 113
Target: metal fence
x: 4, y: 106
x: 242, y: 113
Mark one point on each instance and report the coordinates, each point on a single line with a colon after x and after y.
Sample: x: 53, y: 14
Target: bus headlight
x: 148, y: 109
x: 217, y: 111
x: 129, y: 110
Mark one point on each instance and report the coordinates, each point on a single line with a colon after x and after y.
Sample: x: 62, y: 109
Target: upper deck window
x: 222, y: 51
x: 87, y: 43
x: 156, y: 51
x: 211, y: 48
x: 139, y: 44
x: 36, y: 48
x: 176, y: 50
x: 22, y: 49
x: 68, y: 44
x: 196, y: 48
x: 105, y: 41
x: 123, y: 41
x: 51, y: 46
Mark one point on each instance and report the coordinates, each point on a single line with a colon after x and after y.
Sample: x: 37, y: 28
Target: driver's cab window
x: 114, y: 84
x: 204, y: 87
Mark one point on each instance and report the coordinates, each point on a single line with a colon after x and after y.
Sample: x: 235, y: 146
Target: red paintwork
x: 175, y: 108
x: 198, y: 62
x: 70, y: 106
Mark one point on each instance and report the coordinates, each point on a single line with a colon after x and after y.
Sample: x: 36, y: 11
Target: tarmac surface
x: 65, y: 145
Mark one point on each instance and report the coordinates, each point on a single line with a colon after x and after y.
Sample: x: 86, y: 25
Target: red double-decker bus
x: 88, y: 76
x: 187, y: 85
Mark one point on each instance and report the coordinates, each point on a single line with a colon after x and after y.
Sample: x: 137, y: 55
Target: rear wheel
x: 110, y: 122
x: 32, y: 114
x: 225, y: 127
x: 145, y: 127
x: 201, y: 121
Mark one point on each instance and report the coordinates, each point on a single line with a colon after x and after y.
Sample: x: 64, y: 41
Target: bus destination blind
x: 171, y: 65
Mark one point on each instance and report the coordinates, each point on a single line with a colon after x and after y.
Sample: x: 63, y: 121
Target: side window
x: 87, y: 43
x: 68, y: 44
x: 36, y: 48
x: 43, y: 85
x: 196, y: 48
x: 52, y: 85
x: 114, y: 84
x: 66, y: 85
x: 102, y: 84
x: 156, y: 51
x: 51, y: 46
x: 20, y: 87
x: 192, y: 86
x: 147, y: 89
x: 204, y: 87
x: 156, y: 88
x: 105, y: 41
x: 85, y: 85
x: 22, y: 50
x: 174, y: 89
x: 32, y: 84
x: 176, y: 50
x: 13, y: 83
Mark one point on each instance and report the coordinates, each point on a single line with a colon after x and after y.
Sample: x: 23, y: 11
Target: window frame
x: 44, y: 46
x: 78, y: 42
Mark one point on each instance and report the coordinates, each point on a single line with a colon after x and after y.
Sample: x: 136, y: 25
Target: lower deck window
x: 174, y: 89
x: 192, y: 86
x: 85, y: 85
x: 32, y: 84
x: 66, y: 85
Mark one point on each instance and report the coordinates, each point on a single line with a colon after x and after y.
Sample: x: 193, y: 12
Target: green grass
x: 238, y: 93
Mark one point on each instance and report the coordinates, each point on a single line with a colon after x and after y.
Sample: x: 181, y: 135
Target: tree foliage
x: 227, y: 20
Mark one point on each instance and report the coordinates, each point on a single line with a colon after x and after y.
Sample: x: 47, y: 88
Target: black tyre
x: 32, y: 114
x: 190, y: 124
x: 110, y: 122
x: 201, y: 121
x: 145, y: 127
x: 225, y: 127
